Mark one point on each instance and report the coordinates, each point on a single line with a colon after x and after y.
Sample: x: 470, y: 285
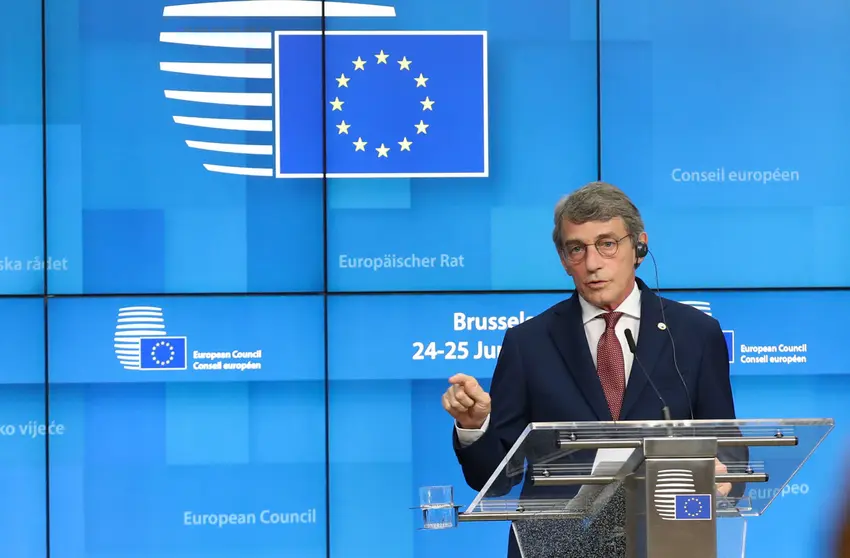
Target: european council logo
x: 338, y: 104
x: 675, y: 499
x: 142, y: 343
x: 729, y: 334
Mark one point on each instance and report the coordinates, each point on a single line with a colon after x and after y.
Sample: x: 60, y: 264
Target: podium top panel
x: 553, y: 463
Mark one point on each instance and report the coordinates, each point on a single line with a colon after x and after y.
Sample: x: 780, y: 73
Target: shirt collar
x: 629, y: 307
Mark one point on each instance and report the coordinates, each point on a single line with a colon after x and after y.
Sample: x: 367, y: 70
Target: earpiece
x: 641, y: 250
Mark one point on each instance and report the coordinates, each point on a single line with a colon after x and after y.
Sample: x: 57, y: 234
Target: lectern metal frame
x: 667, y: 483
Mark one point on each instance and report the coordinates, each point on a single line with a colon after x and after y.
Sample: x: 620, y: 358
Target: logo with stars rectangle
x: 693, y: 507
x: 396, y: 104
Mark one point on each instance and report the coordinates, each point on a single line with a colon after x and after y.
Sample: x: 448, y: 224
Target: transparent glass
x: 565, y: 486
x: 438, y: 508
x: 596, y: 451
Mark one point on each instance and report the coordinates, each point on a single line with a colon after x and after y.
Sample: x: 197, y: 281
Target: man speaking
x: 573, y: 361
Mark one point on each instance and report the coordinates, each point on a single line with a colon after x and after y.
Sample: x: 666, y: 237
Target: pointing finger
x: 468, y: 384
x: 462, y: 379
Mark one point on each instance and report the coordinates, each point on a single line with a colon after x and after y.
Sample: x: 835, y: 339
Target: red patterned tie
x: 610, y: 365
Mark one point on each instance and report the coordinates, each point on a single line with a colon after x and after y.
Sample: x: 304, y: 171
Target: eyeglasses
x: 607, y: 248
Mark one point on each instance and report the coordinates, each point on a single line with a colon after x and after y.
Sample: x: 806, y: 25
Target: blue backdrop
x: 240, y: 256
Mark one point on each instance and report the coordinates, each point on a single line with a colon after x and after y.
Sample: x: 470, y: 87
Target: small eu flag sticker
x: 693, y: 506
x: 163, y: 353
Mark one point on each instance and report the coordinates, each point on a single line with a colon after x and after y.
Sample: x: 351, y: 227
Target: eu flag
x: 163, y: 353
x: 397, y: 104
x: 693, y: 506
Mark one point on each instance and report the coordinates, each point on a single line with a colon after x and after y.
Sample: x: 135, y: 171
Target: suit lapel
x: 650, y: 341
x: 567, y: 332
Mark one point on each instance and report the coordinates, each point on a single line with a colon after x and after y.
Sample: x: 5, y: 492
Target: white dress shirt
x: 594, y: 327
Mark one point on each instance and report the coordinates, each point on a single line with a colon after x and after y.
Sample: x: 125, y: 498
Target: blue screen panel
x: 160, y: 150
x: 722, y: 125
x: 429, y: 213
x: 24, y: 428
x: 22, y: 260
x: 182, y: 463
x: 379, y: 369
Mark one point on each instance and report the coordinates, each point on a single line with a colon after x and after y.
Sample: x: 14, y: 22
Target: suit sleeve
x: 508, y: 417
x: 715, y: 401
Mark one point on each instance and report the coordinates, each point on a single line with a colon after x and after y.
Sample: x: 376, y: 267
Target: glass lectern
x: 647, y: 489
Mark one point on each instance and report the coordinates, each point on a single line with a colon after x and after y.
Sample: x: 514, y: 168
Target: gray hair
x: 596, y: 201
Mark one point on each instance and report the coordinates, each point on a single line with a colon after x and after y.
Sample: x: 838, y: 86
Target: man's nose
x: 592, y: 259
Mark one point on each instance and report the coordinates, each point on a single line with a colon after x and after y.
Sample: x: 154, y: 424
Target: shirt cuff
x: 468, y: 436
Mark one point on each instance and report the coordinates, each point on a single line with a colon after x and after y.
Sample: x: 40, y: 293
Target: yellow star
x: 343, y: 128
x: 342, y: 80
x: 359, y: 145
x: 421, y: 127
x: 427, y: 103
x: 404, y: 63
x: 359, y: 64
x: 382, y: 58
x: 405, y: 145
x: 382, y: 151
x: 420, y: 81
x: 337, y: 104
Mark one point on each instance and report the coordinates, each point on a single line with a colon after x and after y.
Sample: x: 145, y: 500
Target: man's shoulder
x: 541, y: 322
x: 682, y: 313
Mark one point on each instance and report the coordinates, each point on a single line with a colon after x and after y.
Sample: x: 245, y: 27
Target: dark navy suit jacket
x: 545, y: 372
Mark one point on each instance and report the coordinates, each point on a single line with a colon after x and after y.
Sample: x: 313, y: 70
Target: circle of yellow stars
x: 690, y: 512
x: 404, y: 65
x: 168, y: 347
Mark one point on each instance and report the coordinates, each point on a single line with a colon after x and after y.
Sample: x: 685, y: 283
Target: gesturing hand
x: 724, y: 487
x: 466, y: 401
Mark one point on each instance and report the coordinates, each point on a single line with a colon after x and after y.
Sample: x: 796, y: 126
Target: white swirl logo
x: 257, y: 76
x: 142, y: 343
x: 671, y: 482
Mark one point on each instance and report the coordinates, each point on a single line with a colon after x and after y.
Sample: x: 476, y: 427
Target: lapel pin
x: 662, y: 326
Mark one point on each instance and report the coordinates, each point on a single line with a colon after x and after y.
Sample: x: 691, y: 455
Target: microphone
x: 665, y: 410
